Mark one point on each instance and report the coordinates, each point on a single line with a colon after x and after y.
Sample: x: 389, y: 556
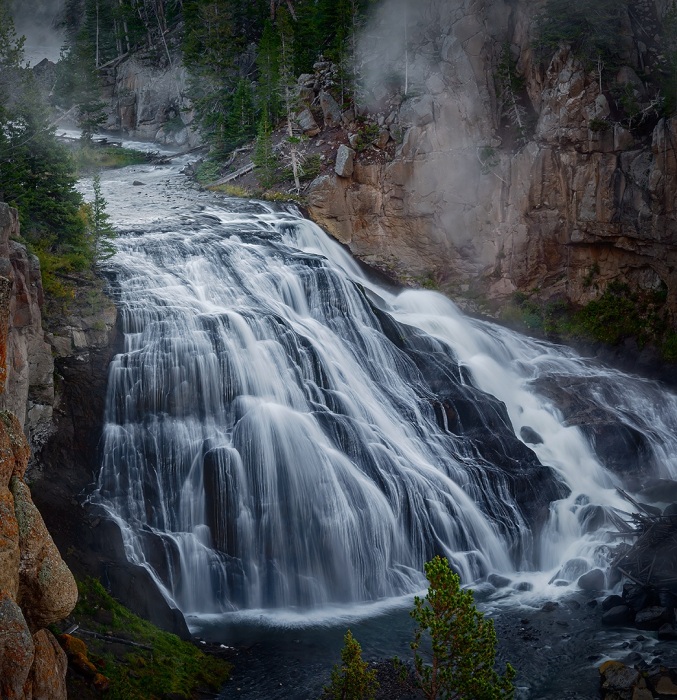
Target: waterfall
x: 282, y: 432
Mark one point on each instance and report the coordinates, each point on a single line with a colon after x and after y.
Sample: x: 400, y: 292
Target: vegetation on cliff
x: 38, y: 176
x: 151, y: 664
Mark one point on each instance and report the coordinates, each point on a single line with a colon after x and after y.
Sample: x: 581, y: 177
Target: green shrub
x: 352, y: 679
x: 463, y: 642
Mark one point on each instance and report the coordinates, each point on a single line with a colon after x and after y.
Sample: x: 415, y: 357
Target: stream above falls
x: 287, y: 441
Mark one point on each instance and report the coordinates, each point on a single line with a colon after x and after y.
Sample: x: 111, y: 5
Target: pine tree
x: 36, y: 172
x: 268, y: 64
x: 102, y: 231
x: 287, y: 88
x: 264, y: 157
x: 352, y: 680
x: 463, y: 642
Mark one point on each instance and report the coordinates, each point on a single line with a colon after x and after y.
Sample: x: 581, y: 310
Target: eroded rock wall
x: 36, y: 587
x: 147, y: 100
x: 481, y: 217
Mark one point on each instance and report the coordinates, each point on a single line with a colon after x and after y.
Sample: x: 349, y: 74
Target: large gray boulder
x: 345, y: 158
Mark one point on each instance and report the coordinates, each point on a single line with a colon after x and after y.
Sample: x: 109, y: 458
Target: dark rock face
x: 622, y: 448
x: 478, y: 424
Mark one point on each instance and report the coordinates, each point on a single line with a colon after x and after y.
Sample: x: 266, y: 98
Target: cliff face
x: 146, y: 98
x: 36, y: 586
x: 459, y: 205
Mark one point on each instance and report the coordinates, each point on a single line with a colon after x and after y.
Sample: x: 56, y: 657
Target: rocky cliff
x: 582, y: 200
x: 146, y: 96
x: 36, y: 587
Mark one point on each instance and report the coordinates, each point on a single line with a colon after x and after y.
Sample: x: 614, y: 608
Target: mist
x: 36, y: 20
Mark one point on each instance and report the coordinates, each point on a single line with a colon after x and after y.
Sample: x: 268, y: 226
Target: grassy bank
x: 91, y: 158
x: 160, y: 665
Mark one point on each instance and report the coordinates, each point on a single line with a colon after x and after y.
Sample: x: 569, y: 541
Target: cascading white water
x: 283, y: 433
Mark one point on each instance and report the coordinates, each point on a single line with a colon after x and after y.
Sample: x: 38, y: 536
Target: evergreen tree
x: 36, y: 172
x: 101, y: 230
x: 268, y: 64
x: 352, y: 680
x: 463, y: 642
x: 287, y: 88
x: 264, y: 157
x: 590, y: 27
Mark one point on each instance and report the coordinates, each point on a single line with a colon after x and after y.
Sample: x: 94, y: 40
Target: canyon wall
x: 146, y: 98
x: 36, y: 587
x: 461, y: 205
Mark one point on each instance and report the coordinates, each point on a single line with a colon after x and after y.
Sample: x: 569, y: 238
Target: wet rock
x: 666, y: 687
x: 653, y: 618
x: 667, y: 632
x: 619, y: 615
x: 345, y: 158
x: 612, y: 601
x: 671, y: 510
x: 138, y: 183
x: 498, y: 581
x: 617, y: 677
x: 529, y: 435
x: 136, y: 589
x: 573, y: 569
x: 550, y: 606
x: 524, y: 586
x: 592, y: 581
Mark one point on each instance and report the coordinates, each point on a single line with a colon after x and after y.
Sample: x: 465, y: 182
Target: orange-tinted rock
x: 101, y: 683
x: 21, y: 452
x: 47, y: 589
x: 16, y: 650
x: 72, y: 645
x: 80, y: 663
x: 47, y: 679
x: 9, y: 546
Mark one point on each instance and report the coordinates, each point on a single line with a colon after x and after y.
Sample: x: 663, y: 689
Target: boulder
x: 667, y: 632
x: 592, y: 581
x: 498, y: 581
x: 653, y: 618
x: 47, y: 589
x: 618, y: 615
x: 618, y: 677
x: 345, y: 158
x: 330, y: 110
x: 307, y: 122
x: 16, y: 650
x: 612, y: 601
x: 47, y: 679
x: 530, y: 436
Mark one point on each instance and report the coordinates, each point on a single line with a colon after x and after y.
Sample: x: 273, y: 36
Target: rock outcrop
x: 147, y: 99
x: 36, y: 587
x: 584, y: 200
x: 26, y: 357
